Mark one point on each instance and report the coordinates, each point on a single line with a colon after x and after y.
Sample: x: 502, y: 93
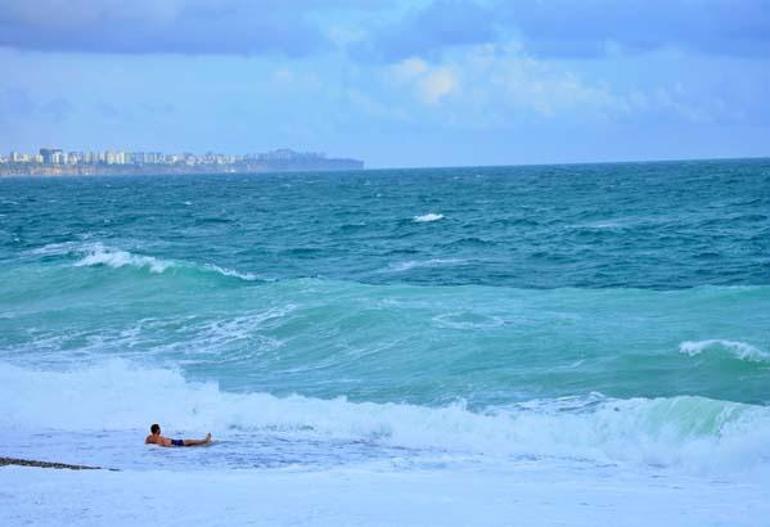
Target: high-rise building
x: 75, y: 158
x: 52, y: 156
x: 59, y: 157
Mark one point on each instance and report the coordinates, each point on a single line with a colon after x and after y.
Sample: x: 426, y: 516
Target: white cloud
x: 409, y: 69
x: 429, y: 84
x: 493, y: 86
x: 504, y: 78
x: 436, y: 85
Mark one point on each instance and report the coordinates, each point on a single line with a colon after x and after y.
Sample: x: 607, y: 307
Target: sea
x: 531, y: 345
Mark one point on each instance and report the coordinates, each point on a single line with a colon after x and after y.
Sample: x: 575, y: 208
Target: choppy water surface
x: 595, y: 314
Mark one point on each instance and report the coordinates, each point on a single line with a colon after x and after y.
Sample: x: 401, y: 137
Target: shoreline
x: 529, y: 493
x: 329, y: 165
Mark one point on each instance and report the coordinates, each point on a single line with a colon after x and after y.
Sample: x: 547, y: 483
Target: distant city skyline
x: 402, y: 83
x: 56, y: 161
x: 113, y: 156
x: 61, y: 156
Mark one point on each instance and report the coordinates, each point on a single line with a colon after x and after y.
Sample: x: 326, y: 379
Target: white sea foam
x: 431, y: 216
x: 94, y: 254
x: 56, y: 249
x: 689, y: 432
x: 249, y: 277
x: 739, y: 350
x: 99, y: 254
x: 400, y: 267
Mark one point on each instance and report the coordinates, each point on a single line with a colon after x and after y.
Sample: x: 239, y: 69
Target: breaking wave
x: 431, y: 216
x: 739, y: 350
x: 97, y: 254
x: 687, y: 432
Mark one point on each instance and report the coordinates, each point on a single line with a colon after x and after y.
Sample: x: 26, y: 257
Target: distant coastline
x: 55, y: 162
x: 151, y: 170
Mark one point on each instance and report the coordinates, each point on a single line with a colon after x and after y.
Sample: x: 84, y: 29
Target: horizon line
x: 572, y: 163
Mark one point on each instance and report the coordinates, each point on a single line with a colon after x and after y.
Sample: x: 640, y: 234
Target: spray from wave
x: 688, y: 432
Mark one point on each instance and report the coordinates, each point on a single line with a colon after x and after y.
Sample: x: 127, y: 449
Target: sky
x: 395, y: 83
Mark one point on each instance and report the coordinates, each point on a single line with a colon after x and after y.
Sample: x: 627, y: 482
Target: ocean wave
x: 224, y: 271
x: 688, y: 432
x: 431, y: 216
x: 407, y: 265
x: 99, y: 254
x: 95, y: 254
x: 739, y: 350
x: 56, y: 249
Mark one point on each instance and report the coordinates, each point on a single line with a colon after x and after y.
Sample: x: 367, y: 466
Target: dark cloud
x: 587, y: 28
x: 556, y: 28
x: 161, y: 26
x: 443, y: 23
x: 568, y: 28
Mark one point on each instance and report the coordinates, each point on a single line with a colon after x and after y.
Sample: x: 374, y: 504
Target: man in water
x: 156, y: 439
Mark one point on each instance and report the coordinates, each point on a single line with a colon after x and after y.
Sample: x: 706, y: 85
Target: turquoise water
x: 470, y: 301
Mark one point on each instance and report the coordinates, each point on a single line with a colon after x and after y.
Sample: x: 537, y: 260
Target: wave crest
x: 431, y: 216
x: 97, y: 254
x: 685, y: 431
x: 407, y: 265
x: 739, y: 350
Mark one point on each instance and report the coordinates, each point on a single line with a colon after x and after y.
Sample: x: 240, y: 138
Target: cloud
x: 429, y: 83
x: 590, y: 28
x: 437, y: 84
x: 496, y: 86
x: 409, y: 69
x: 383, y: 31
x: 441, y: 24
x: 507, y: 84
x: 237, y: 27
x: 577, y: 29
